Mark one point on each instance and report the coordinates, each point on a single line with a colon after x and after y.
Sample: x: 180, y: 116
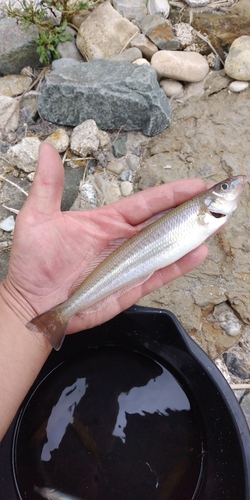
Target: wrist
x: 15, y: 313
x: 16, y: 303
x: 22, y: 355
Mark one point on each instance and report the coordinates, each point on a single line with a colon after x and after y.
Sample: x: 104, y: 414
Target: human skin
x: 50, y: 250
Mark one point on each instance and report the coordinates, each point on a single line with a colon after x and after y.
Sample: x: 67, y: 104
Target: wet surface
x: 110, y: 424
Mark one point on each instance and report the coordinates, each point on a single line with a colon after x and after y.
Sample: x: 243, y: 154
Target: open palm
x: 51, y: 248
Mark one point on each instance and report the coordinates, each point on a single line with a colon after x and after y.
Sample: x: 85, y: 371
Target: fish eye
x: 224, y: 186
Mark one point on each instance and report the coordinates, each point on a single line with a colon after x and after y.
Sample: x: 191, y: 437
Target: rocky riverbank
x: 194, y: 124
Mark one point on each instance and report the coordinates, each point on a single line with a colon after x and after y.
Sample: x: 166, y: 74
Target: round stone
x: 141, y: 61
x: 171, y: 87
x: 237, y: 64
x: 238, y: 86
x: 185, y: 66
x: 126, y: 188
x: 59, y: 139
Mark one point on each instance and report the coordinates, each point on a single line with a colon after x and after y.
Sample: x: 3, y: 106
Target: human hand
x: 51, y: 248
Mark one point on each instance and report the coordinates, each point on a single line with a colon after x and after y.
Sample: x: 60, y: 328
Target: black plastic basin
x: 130, y: 410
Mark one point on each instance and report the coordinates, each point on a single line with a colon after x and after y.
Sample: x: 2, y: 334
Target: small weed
x: 51, y: 18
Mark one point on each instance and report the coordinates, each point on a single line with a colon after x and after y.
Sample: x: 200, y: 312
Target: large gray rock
x: 17, y: 47
x: 114, y: 94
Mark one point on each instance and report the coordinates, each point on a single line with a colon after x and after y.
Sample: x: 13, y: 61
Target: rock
x: 24, y: 155
x: 224, y: 315
x: 133, y: 98
x: 104, y: 138
x: 158, y: 7
x: 64, y: 63
x: 8, y: 224
x: 119, y: 146
x: 133, y: 162
x: 216, y: 81
x: 113, y: 193
x: 78, y: 20
x: 237, y: 64
x: 126, y: 188
x: 197, y: 3
x: 9, y: 114
x: 147, y: 47
x: 28, y: 107
x: 184, y: 33
x: 238, y: 86
x: 104, y: 33
x: 17, y: 48
x: 158, y: 30
x: 115, y: 167
x: 141, y: 61
x: 68, y: 49
x: 85, y: 138
x: 126, y: 175
x: 171, y: 87
x: 13, y: 85
x: 184, y: 66
x: 73, y: 177
x: 131, y: 9
x: 221, y: 30
x: 237, y: 363
x: 59, y: 139
x: 241, y: 8
x: 128, y: 55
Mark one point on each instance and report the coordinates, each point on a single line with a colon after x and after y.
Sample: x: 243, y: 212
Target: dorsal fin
x: 112, y: 246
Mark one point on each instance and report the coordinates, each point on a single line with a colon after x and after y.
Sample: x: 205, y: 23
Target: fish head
x: 221, y: 200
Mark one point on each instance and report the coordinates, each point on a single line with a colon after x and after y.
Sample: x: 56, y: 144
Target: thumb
x: 46, y: 191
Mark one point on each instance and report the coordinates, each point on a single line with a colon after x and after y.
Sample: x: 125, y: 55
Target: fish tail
x: 52, y: 324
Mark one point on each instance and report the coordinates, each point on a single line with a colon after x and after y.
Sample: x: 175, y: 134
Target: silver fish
x: 159, y: 244
x: 52, y: 494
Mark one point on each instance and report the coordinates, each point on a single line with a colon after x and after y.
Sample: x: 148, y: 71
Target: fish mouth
x: 217, y: 215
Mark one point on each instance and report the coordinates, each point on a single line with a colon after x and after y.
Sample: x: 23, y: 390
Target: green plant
x: 51, y: 18
x: 48, y: 41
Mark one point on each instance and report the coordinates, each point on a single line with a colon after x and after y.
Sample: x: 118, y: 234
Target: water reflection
x: 158, y: 395
x: 62, y: 415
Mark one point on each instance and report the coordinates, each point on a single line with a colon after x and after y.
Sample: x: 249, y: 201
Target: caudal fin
x: 52, y: 324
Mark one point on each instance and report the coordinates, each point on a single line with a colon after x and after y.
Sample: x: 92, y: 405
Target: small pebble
x: 103, y: 138
x: 197, y: 3
x: 126, y: 188
x: 120, y: 146
x: 133, y: 162
x: 8, y: 224
x: 171, y: 87
x: 238, y: 86
x: 126, y: 175
x: 128, y: 55
x: 31, y: 176
x: 59, y: 139
x: 158, y: 7
x: 115, y: 167
x: 141, y: 61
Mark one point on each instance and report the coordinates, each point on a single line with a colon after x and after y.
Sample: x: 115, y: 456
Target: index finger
x: 141, y: 206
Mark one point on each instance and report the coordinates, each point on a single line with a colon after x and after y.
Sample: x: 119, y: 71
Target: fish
x: 52, y: 494
x: 161, y: 242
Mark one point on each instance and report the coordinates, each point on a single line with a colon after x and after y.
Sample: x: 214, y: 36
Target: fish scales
x: 154, y: 246
x: 159, y: 244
